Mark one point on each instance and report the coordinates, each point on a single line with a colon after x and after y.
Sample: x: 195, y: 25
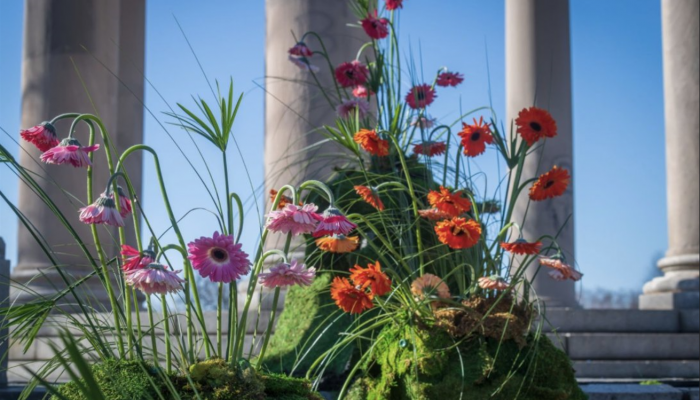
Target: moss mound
x: 410, y: 363
x: 208, y: 380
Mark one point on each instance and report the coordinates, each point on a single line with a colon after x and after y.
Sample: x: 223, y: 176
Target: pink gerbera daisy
x: 304, y: 64
x: 285, y: 275
x: 447, y: 79
x: 125, y: 206
x: 43, y: 136
x: 334, y: 223
x: 392, y: 5
x: 351, y: 74
x: 376, y: 28
x: 102, y: 211
x: 493, y: 282
x: 349, y: 108
x: 361, y: 91
x: 301, y: 50
x: 133, y: 259
x: 294, y: 219
x: 423, y: 122
x: 69, y: 151
x: 218, y: 258
x: 560, y: 270
x: 154, y: 279
x: 421, y: 96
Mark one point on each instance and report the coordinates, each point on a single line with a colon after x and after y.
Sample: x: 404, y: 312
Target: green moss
x: 208, y: 380
x: 434, y: 367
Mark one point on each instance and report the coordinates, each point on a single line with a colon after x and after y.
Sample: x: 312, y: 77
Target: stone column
x: 296, y: 111
x: 538, y: 72
x: 69, y: 44
x: 680, y: 285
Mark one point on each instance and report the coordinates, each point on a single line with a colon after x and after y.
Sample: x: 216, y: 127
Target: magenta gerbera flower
x: 154, y: 279
x: 218, y: 258
x: 43, y: 136
x: 361, y: 91
x: 392, y: 5
x: 297, y: 220
x: 423, y: 122
x: 69, y: 151
x: 285, y: 275
x: 334, y: 223
x: 376, y: 28
x: 125, y: 206
x: 134, y: 259
x: 349, y: 108
x: 447, y: 79
x: 301, y: 50
x: 350, y: 74
x: 421, y: 96
x: 304, y: 64
x: 102, y: 211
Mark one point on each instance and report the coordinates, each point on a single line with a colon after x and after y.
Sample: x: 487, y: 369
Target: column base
x: 678, y: 289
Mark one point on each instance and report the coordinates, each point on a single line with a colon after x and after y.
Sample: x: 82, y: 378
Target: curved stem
x: 166, y: 326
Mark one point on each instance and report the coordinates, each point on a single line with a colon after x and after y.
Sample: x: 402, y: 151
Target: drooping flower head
x: 430, y: 149
x: 447, y: 79
x: 372, y: 143
x: 493, y: 282
x: 421, y: 96
x: 69, y: 151
x: 560, y: 270
x: 297, y: 220
x: 338, y: 244
x: 370, y: 196
x: 301, y: 50
x: 459, y: 233
x: 433, y: 214
x: 102, y: 211
x: 452, y: 204
x: 534, y: 124
x: 351, y: 74
x: 351, y: 299
x: 376, y: 28
x: 429, y: 286
x: 43, y: 136
x: 134, y: 259
x: 304, y: 64
x: 284, y: 200
x: 154, y: 279
x: 522, y: 247
x: 551, y: 184
x: 334, y: 223
x: 475, y: 137
x: 349, y: 108
x: 423, y: 122
x: 285, y: 275
x: 371, y: 277
x: 218, y: 258
x: 392, y: 5
x: 361, y: 91
x: 125, y: 206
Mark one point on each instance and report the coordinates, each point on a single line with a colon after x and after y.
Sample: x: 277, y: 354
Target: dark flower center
x: 420, y: 95
x: 219, y: 255
x: 549, y: 184
x: 457, y: 232
x: 476, y: 136
x: 535, y: 126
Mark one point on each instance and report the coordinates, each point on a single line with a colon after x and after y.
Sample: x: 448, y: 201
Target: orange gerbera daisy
x: 535, y: 124
x: 551, y: 184
x: 378, y: 282
x: 338, y: 244
x: 349, y: 298
x: 430, y: 285
x: 372, y: 143
x: 450, y: 203
x: 475, y: 137
x: 370, y: 196
x: 434, y: 214
x: 522, y: 247
x: 459, y: 233
x: 283, y: 201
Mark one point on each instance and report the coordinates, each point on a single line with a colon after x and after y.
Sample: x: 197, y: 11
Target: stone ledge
x: 631, y: 392
x: 632, y: 346
x: 638, y: 370
x: 632, y: 321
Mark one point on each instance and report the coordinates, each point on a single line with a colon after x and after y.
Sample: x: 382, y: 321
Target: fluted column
x: 538, y: 72
x: 680, y: 285
x: 72, y: 50
x: 295, y: 110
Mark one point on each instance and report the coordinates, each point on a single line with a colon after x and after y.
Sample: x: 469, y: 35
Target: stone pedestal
x: 75, y: 53
x: 538, y: 73
x: 679, y: 288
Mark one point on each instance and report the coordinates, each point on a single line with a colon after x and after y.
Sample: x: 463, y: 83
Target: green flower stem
x: 153, y: 330
x: 319, y: 185
x: 189, y: 276
x: 239, y: 203
x: 219, y: 306
x: 166, y: 327
x: 232, y: 318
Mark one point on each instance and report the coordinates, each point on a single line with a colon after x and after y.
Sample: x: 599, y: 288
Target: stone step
x: 631, y: 346
x: 638, y: 392
x: 629, y: 321
x: 637, y: 370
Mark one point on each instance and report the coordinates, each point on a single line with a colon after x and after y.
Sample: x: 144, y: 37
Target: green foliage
x: 433, y: 366
x: 118, y: 380
x: 650, y: 383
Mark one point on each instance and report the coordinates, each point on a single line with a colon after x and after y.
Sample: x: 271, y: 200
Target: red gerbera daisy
x: 376, y: 28
x: 378, y: 282
x: 430, y: 149
x: 459, y: 233
x: 421, y: 96
x: 392, y: 5
x: 475, y: 137
x: 349, y: 298
x: 447, y: 79
x: 534, y: 124
x: 371, y: 143
x: 522, y: 247
x: 351, y: 74
x: 551, y: 184
x: 301, y: 50
x: 43, y: 136
x: 453, y: 204
x: 370, y: 196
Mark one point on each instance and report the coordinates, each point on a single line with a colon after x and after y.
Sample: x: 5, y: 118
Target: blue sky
x: 620, y: 186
